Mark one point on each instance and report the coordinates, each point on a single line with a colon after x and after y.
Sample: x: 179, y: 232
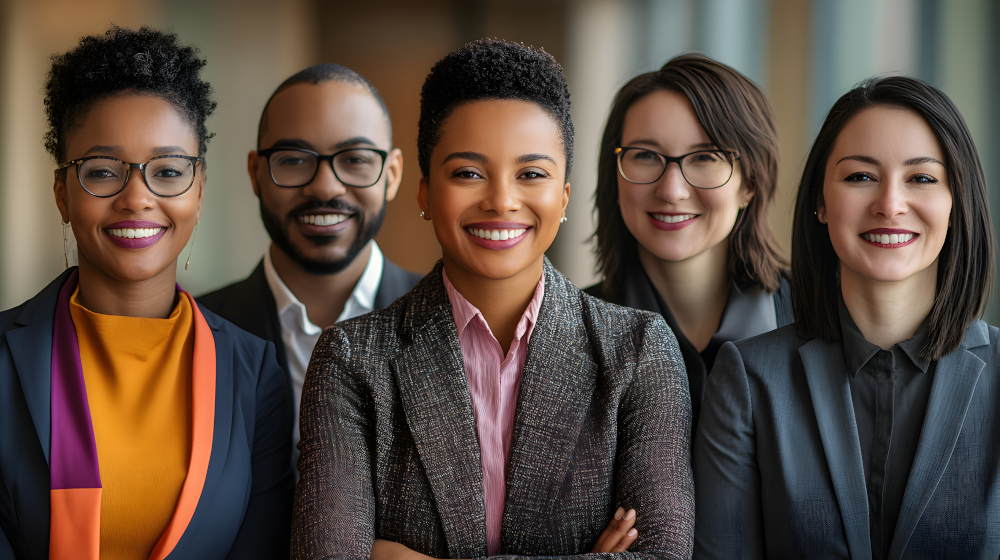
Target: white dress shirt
x: 299, y: 333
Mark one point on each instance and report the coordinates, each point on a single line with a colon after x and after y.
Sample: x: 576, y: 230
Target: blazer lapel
x: 435, y: 396
x: 954, y: 384
x: 557, y: 385
x: 831, y: 398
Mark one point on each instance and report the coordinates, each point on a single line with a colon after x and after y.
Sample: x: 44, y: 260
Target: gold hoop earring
x: 191, y: 250
x: 65, y: 226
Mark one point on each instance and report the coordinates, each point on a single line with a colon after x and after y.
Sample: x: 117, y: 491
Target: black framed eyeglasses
x: 704, y: 169
x: 106, y: 176
x: 354, y: 167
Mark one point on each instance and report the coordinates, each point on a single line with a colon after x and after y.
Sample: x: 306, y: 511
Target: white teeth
x: 323, y: 219
x: 888, y: 239
x: 674, y: 219
x: 134, y: 233
x: 497, y: 234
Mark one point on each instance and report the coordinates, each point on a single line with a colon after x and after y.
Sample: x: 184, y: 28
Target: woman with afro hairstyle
x: 133, y: 423
x: 687, y: 172
x: 495, y: 410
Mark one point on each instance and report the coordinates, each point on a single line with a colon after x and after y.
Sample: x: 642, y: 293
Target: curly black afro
x: 492, y: 69
x: 145, y: 61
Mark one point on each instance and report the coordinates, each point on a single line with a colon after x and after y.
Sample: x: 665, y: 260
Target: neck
x: 501, y: 301
x: 153, y: 298
x: 887, y: 313
x: 695, y: 290
x: 324, y: 295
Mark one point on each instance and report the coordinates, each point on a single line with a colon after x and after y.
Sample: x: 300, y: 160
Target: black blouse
x: 749, y: 311
x: 889, y: 390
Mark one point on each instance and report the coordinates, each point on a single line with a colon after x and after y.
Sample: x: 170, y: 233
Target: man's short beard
x: 278, y: 230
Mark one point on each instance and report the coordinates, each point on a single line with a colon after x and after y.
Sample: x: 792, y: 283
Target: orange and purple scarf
x: 74, y: 470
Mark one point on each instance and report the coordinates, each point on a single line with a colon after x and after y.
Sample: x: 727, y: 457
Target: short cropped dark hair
x: 125, y: 61
x: 736, y: 116
x: 319, y: 73
x: 492, y: 69
x: 966, y: 262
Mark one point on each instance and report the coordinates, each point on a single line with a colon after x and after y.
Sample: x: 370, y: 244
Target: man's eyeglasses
x: 106, y: 176
x: 704, y: 169
x: 355, y: 167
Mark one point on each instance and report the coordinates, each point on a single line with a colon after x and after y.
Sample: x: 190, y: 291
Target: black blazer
x: 245, y: 506
x: 778, y: 467
x: 250, y: 305
x: 390, y: 450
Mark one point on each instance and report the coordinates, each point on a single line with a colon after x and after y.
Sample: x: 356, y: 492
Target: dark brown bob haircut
x: 736, y: 116
x: 966, y: 262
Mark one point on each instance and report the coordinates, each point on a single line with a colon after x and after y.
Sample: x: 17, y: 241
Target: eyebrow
x: 302, y: 144
x: 528, y: 158
x: 701, y: 146
x: 912, y: 161
x: 471, y: 156
x: 159, y: 150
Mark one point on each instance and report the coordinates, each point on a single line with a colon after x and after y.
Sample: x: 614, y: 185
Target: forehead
x: 502, y: 128
x: 134, y: 122
x: 888, y: 133
x: 663, y: 113
x: 325, y: 114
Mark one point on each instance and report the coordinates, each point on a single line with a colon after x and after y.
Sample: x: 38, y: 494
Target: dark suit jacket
x: 250, y: 305
x: 245, y: 506
x: 389, y: 444
x: 778, y: 467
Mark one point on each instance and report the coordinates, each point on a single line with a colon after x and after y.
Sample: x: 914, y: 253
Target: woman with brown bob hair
x: 692, y: 241
x: 867, y: 429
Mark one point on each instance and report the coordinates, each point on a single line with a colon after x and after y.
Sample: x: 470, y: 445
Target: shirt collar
x: 464, y: 312
x: 858, y: 350
x: 362, y: 297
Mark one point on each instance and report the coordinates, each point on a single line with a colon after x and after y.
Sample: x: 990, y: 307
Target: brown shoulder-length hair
x: 966, y: 262
x: 736, y: 116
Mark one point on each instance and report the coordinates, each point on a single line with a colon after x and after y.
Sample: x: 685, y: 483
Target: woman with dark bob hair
x: 495, y: 410
x: 135, y: 424
x: 868, y: 428
x: 691, y: 241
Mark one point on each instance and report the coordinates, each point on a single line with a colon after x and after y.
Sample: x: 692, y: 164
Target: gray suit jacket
x: 778, y: 463
x: 389, y: 444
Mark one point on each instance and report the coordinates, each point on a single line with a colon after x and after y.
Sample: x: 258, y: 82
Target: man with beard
x: 323, y: 171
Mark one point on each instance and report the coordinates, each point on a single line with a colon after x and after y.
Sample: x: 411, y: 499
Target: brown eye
x: 923, y: 178
x: 861, y: 177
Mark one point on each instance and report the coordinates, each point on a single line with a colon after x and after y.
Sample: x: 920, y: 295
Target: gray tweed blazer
x: 389, y: 444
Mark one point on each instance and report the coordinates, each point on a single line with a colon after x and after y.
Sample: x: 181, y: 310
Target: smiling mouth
x: 674, y: 219
x: 497, y: 234
x: 323, y: 219
x: 888, y: 238
x: 134, y: 233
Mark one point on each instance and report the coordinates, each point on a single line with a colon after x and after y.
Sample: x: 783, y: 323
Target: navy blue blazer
x: 777, y: 460
x: 245, y: 506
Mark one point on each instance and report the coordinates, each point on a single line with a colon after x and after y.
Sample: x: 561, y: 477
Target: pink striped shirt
x: 494, y: 381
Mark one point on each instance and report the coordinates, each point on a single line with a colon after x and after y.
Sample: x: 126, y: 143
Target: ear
x: 59, y: 190
x: 253, y: 165
x: 423, y: 198
x: 201, y: 187
x: 565, y: 198
x: 393, y: 173
x: 821, y: 209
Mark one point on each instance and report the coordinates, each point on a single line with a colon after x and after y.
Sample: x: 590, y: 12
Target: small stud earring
x: 563, y: 220
x: 422, y: 213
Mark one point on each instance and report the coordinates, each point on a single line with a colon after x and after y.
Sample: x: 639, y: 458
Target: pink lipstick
x: 671, y: 221
x: 889, y: 238
x: 497, y: 236
x: 135, y: 234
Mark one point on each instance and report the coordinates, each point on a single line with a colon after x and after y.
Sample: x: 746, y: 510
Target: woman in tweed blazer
x: 392, y: 453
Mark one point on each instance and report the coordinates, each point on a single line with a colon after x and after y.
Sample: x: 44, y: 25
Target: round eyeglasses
x: 165, y: 176
x: 704, y: 169
x: 355, y: 167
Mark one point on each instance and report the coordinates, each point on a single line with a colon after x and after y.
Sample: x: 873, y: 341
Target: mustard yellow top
x: 138, y: 377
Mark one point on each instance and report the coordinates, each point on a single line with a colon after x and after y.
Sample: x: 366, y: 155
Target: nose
x: 890, y: 200
x: 136, y: 196
x: 672, y: 187
x: 324, y: 185
x: 500, y: 197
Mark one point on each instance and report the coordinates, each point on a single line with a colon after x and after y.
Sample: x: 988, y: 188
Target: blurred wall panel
x: 394, y: 44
